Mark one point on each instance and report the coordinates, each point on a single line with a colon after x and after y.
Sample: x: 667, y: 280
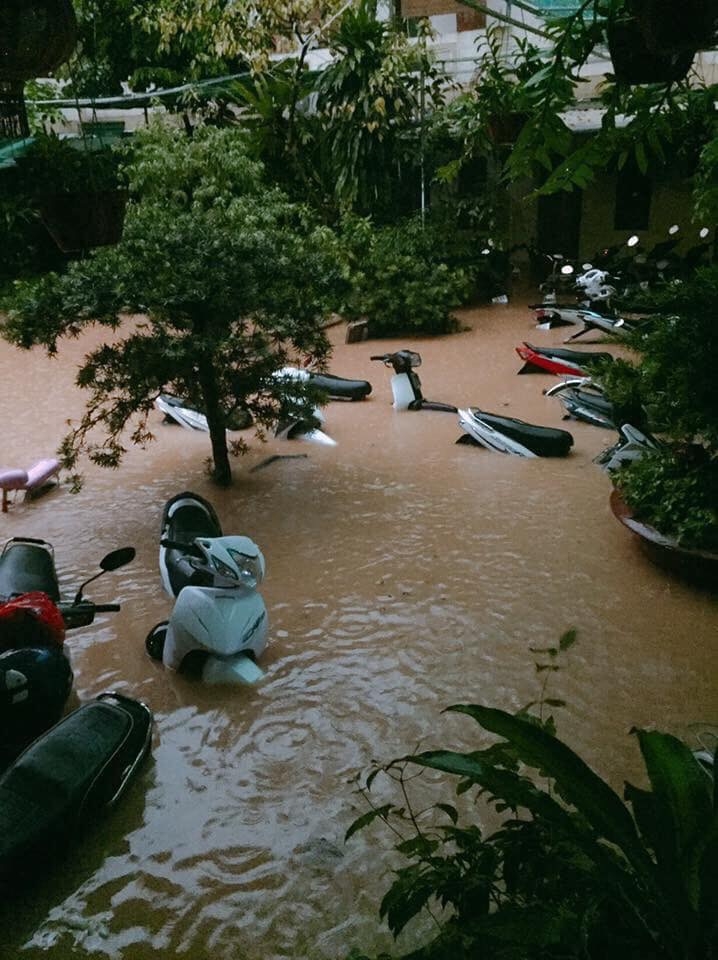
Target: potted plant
x: 35, y: 37
x: 669, y: 495
x: 636, y: 60
x: 667, y: 498
x: 670, y: 27
x: 77, y: 191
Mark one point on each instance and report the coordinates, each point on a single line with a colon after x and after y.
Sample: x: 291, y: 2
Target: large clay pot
x: 670, y: 27
x: 36, y: 36
x: 634, y: 63
x: 505, y: 128
x: 699, y: 567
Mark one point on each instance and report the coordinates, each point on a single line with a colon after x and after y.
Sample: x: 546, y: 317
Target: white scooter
x: 218, y: 627
x: 502, y: 434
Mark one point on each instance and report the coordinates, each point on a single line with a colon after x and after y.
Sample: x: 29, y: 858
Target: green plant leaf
x: 678, y: 779
x: 683, y: 791
x: 577, y: 783
x: 366, y: 818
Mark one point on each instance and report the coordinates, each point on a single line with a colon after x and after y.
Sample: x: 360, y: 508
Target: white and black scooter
x: 218, y: 626
x: 503, y: 434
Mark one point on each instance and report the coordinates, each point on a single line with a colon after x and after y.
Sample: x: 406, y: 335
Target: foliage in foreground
x: 233, y: 282
x: 574, y: 870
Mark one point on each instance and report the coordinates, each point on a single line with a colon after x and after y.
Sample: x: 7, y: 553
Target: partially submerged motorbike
x: 35, y: 672
x: 632, y: 444
x: 405, y: 382
x: 73, y: 773
x: 502, y: 434
x: 559, y: 361
x: 218, y: 626
x: 584, y: 400
x: 509, y: 435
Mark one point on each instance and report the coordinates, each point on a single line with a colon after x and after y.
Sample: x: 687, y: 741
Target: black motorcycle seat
x: 73, y: 770
x: 25, y: 567
x: 545, y: 441
x: 341, y: 388
x: 592, y: 400
x: 191, y: 522
x: 573, y: 356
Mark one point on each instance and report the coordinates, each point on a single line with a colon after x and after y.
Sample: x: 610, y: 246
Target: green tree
x: 243, y: 29
x: 370, y: 102
x: 233, y: 282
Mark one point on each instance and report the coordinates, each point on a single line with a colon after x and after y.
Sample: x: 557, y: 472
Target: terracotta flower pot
x: 505, y: 128
x: 36, y: 36
x: 670, y: 27
x: 699, y: 567
x: 634, y: 63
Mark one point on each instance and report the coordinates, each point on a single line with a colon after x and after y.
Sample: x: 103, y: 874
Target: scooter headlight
x: 248, y: 568
x: 223, y: 569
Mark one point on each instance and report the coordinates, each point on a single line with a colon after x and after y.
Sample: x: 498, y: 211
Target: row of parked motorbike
x: 621, y: 272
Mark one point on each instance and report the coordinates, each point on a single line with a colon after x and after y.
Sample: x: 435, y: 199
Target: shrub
x: 402, y: 280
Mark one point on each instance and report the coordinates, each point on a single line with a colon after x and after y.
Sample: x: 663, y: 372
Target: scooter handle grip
x: 106, y: 607
x: 176, y: 545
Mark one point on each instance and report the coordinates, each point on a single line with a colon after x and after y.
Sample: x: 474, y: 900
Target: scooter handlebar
x: 179, y: 545
x: 83, y: 613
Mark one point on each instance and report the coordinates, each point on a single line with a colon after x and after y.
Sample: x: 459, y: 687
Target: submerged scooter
x: 218, y: 627
x: 584, y: 400
x: 35, y: 673
x: 559, y: 360
x: 502, y: 434
x: 71, y: 775
x: 632, y: 444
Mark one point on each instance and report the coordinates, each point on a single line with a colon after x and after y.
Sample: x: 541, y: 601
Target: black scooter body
x: 26, y: 565
x: 181, y: 523
x: 68, y: 777
x: 541, y: 441
x: 35, y: 683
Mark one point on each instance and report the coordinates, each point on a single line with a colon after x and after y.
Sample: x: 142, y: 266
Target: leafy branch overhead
x: 649, y: 123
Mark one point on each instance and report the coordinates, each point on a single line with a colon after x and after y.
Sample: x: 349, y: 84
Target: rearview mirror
x: 117, y: 558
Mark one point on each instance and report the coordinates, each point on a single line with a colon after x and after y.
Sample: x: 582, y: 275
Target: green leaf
x: 450, y: 811
x: 408, y: 894
x: 575, y: 780
x: 568, y: 639
x: 677, y: 778
x: 683, y: 791
x: 366, y: 818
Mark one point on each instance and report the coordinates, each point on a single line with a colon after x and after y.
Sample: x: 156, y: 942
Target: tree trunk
x: 216, y: 421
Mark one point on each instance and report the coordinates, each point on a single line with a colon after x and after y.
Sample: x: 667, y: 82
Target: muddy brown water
x: 404, y: 573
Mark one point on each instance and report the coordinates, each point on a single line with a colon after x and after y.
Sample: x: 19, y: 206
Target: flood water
x: 404, y: 573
